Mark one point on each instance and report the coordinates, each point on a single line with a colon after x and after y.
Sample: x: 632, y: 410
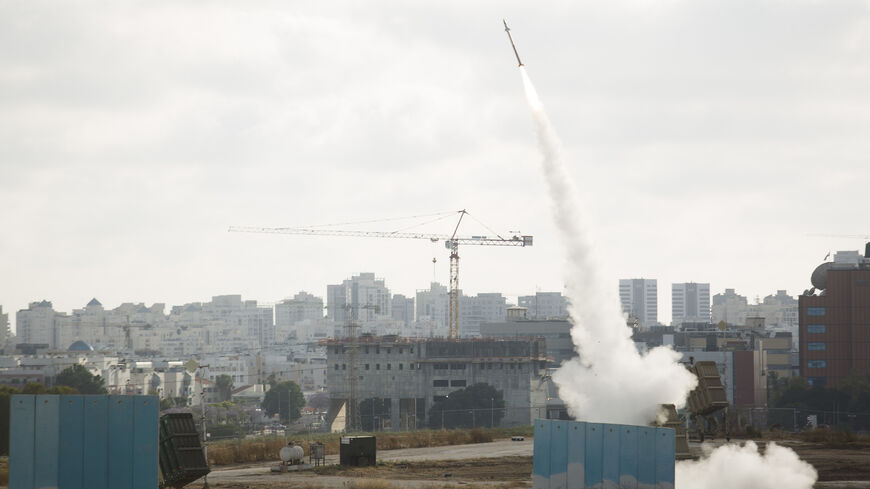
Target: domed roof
x: 80, y: 346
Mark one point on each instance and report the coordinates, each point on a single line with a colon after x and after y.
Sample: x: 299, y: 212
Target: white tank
x: 292, y: 454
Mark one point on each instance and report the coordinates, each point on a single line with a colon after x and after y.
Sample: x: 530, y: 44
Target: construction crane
x: 451, y: 242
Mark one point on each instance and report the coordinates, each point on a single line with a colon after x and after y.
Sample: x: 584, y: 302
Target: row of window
x: 342, y: 349
x: 815, y: 311
x: 448, y: 383
x: 815, y: 346
x: 388, y: 366
x: 815, y: 328
x: 816, y: 364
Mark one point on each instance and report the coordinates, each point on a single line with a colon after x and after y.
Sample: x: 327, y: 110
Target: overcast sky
x: 708, y: 140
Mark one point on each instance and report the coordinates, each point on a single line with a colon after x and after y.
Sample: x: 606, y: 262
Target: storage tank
x: 292, y: 454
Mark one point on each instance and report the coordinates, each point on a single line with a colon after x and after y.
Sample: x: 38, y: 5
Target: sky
x: 709, y: 140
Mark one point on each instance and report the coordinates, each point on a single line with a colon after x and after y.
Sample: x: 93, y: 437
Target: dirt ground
x: 501, y: 464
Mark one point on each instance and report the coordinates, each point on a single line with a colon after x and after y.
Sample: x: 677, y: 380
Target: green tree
x: 79, y: 378
x: 285, y: 398
x: 476, y: 405
x: 224, y: 385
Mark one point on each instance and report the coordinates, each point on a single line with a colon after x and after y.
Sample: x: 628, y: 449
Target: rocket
x: 508, y: 30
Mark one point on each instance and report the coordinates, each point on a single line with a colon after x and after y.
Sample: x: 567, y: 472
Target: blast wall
x: 576, y: 454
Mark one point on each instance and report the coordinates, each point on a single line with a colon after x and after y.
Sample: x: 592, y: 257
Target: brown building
x: 834, y: 320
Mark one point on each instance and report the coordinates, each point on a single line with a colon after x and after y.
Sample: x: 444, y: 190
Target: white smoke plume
x: 736, y: 467
x: 611, y: 381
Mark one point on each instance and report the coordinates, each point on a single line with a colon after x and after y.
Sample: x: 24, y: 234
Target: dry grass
x: 226, y: 452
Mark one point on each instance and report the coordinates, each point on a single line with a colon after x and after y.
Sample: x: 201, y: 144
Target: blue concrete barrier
x: 576, y: 454
x: 87, y: 442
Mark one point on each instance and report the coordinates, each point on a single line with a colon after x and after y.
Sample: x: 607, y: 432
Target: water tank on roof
x: 819, y: 278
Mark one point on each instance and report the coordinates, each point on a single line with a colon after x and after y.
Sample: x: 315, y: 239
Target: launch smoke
x: 738, y: 467
x: 611, y: 381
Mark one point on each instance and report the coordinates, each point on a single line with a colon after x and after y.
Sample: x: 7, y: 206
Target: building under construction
x: 408, y: 376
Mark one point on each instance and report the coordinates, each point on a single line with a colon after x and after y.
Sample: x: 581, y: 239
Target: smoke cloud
x: 611, y: 381
x: 737, y: 467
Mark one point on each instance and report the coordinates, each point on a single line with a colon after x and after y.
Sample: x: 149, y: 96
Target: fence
x: 795, y: 419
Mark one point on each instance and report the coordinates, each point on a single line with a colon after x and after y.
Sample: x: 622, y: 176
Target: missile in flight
x: 508, y: 30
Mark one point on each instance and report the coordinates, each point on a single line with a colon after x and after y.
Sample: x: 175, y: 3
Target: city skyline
x: 702, y: 144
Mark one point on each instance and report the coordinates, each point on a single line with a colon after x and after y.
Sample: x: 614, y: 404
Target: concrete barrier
x: 576, y: 454
x: 83, y: 442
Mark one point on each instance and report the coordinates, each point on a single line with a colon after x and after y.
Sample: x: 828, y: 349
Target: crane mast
x: 451, y: 242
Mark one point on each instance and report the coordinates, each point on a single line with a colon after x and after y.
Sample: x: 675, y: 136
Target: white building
x: 362, y: 298
x: 640, y: 300
x: 37, y: 325
x: 403, y: 309
x: 690, y: 303
x: 431, y: 306
x: 482, y: 308
x: 544, y: 305
x: 291, y: 313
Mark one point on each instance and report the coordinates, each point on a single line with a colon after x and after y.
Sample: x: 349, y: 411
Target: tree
x: 476, y: 405
x: 79, y: 378
x: 224, y: 385
x: 286, y: 399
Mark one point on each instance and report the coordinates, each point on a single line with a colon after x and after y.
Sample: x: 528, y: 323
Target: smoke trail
x: 611, y: 381
x: 735, y: 467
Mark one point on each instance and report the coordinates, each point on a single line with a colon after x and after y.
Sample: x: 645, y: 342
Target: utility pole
x: 202, y: 405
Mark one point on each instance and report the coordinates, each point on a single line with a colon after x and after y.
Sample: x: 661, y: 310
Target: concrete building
x: 835, y: 320
x: 690, y: 303
x: 484, y: 307
x: 5, y: 333
x: 779, y: 310
x: 291, y: 313
x: 403, y: 309
x: 555, y: 332
x: 640, y: 300
x: 37, y: 325
x: 415, y: 373
x: 545, y: 305
x: 362, y: 298
x: 431, y: 307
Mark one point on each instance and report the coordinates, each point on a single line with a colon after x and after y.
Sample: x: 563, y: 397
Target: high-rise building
x: 36, y: 325
x: 690, y: 303
x: 545, y: 305
x: 362, y: 298
x: 302, y: 307
x: 403, y: 309
x: 640, y: 299
x: 431, y: 305
x: 835, y: 324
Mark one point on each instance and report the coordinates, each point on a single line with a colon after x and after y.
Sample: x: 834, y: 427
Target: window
x: 336, y: 366
x: 457, y: 383
x: 344, y: 366
x: 367, y: 366
x: 410, y: 366
x: 367, y: 350
x: 401, y: 350
x: 337, y: 350
x: 815, y: 311
x: 412, y: 349
x: 377, y: 366
x: 816, y: 364
x: 440, y: 383
x: 389, y: 350
x: 815, y: 328
x: 817, y: 381
x: 401, y: 366
x: 816, y: 346
x: 457, y: 366
x: 389, y: 366
x: 377, y: 350
x: 441, y: 366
